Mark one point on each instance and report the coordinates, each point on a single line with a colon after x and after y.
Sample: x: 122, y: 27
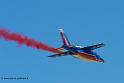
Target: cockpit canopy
x: 79, y: 46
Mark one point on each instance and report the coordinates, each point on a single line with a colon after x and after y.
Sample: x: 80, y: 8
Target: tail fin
x: 64, y: 38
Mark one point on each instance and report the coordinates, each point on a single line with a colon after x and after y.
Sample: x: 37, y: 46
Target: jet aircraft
x: 80, y: 52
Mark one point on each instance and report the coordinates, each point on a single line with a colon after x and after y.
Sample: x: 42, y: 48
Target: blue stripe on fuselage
x: 77, y: 49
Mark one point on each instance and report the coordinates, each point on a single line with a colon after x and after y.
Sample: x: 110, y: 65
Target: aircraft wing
x: 94, y: 46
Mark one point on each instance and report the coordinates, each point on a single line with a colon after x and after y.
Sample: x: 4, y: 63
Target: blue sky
x: 85, y: 23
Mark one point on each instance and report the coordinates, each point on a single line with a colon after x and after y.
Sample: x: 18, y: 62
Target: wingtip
x: 103, y: 44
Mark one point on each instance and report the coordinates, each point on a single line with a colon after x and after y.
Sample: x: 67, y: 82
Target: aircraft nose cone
x: 101, y: 61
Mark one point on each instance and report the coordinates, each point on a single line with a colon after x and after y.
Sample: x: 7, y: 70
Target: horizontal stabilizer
x: 54, y: 56
x: 58, y: 55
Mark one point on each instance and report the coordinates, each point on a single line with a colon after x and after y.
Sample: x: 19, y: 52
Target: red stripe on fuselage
x: 86, y: 56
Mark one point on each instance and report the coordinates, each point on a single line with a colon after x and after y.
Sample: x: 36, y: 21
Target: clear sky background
x: 85, y: 22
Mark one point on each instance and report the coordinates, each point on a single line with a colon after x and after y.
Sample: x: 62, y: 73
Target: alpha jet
x: 80, y: 52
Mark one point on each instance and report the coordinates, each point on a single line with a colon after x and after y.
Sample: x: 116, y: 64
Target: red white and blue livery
x: 80, y: 52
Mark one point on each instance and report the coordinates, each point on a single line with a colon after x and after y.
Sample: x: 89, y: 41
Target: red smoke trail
x: 25, y: 40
